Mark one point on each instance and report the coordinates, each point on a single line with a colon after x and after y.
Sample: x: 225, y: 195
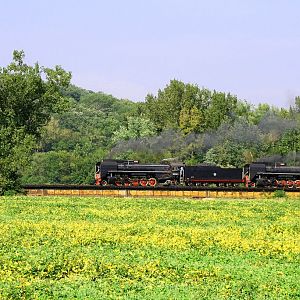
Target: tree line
x: 54, y: 132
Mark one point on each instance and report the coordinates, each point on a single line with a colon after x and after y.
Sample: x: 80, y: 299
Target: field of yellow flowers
x: 109, y: 248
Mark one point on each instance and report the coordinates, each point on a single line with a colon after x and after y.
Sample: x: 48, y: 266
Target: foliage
x: 288, y: 142
x: 15, y: 148
x: 182, y: 121
x: 226, y: 155
x: 136, y: 127
x: 73, y: 141
x: 280, y: 194
x: 190, y: 108
x: 28, y: 96
x: 106, y: 248
x: 64, y: 167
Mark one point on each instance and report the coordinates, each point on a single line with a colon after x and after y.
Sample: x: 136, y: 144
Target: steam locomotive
x: 133, y: 173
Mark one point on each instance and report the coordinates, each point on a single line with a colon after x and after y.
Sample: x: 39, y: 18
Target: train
x: 112, y: 172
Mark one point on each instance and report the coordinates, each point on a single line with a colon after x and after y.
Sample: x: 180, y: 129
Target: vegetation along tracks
x: 161, y: 191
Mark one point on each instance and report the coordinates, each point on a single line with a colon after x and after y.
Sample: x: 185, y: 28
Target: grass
x: 117, y: 248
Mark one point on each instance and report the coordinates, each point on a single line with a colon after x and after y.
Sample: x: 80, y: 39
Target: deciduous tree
x: 28, y: 96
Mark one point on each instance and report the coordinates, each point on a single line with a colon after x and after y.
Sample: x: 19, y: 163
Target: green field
x: 108, y: 248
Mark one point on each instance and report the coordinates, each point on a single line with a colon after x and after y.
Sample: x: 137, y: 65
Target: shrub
x: 279, y: 194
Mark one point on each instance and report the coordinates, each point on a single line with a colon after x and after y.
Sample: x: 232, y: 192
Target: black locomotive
x: 271, y: 174
x: 132, y: 173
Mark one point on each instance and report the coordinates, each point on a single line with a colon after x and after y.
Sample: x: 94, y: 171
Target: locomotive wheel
x: 143, y: 182
x: 104, y: 183
x: 135, y: 183
x: 118, y: 183
x: 277, y: 183
x: 152, y: 181
x: 290, y: 184
x: 251, y: 184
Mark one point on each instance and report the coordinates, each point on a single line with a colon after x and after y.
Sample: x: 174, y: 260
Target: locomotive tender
x: 132, y: 173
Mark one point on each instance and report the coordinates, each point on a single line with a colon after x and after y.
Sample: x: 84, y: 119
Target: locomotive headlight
x: 214, y: 174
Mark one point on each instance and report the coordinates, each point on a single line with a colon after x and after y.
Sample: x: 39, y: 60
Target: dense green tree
x: 136, y: 127
x: 263, y: 110
x: 297, y: 104
x: 28, y: 96
x: 288, y: 142
x: 190, y: 120
x: 294, y: 111
x: 61, y: 166
x: 192, y: 117
x: 164, y: 110
x: 228, y: 154
x: 221, y: 109
x: 191, y: 109
x: 75, y: 92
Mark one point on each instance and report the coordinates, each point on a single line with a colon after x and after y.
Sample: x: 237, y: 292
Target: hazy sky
x: 250, y: 48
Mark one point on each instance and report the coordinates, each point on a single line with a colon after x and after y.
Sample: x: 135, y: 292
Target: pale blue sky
x: 131, y: 48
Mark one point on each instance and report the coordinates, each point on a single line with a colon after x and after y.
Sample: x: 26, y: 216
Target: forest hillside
x: 182, y: 121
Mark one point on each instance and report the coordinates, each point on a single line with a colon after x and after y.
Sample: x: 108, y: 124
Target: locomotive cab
x: 177, y: 170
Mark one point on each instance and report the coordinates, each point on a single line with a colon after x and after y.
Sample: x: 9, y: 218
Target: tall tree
x: 164, y: 110
x: 28, y: 97
x: 222, y: 108
x: 297, y: 104
x: 136, y: 127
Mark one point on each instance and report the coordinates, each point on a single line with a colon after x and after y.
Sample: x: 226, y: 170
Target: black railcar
x: 203, y: 175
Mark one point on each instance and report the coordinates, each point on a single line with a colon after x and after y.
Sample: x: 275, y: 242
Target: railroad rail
x: 161, y: 191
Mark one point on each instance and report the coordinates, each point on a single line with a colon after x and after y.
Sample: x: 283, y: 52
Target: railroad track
x: 160, y: 191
